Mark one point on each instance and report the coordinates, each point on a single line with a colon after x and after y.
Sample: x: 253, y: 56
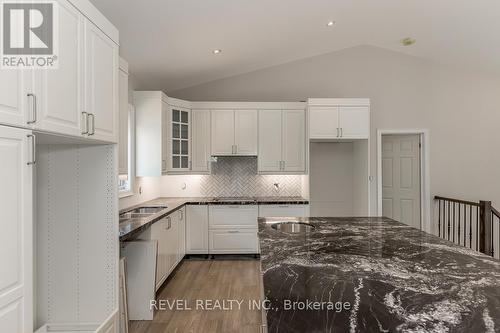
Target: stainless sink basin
x: 147, y: 210
x: 293, y: 227
x: 140, y: 212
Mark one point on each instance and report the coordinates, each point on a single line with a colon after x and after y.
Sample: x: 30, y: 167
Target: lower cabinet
x: 169, y: 233
x: 232, y: 229
x: 233, y: 241
x: 284, y: 210
x: 197, y: 229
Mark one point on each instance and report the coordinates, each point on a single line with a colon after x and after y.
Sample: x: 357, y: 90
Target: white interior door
x: 16, y: 291
x: 401, y: 178
x: 245, y: 132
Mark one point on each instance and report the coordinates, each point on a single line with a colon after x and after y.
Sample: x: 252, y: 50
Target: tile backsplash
x: 237, y: 177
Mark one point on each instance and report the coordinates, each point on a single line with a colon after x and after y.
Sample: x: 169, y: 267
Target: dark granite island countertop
x: 375, y: 274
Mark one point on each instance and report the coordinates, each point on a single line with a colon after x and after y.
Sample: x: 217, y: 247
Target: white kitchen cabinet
x: 200, y: 141
x: 233, y: 216
x: 172, y: 237
x: 57, y: 95
x: 151, y: 112
x: 16, y: 239
x: 197, y: 229
x: 324, y: 122
x: 339, y: 118
x: 179, y: 139
x: 354, y: 122
x: 233, y: 241
x: 159, y: 234
x: 285, y: 210
x: 245, y: 132
x: 232, y: 229
x: 181, y: 234
x: 101, y: 84
x: 234, y: 132
x: 123, y: 119
x: 282, y: 141
x: 14, y: 107
x: 222, y: 132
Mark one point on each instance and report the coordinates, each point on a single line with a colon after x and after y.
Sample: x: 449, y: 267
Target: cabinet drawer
x: 228, y: 241
x: 283, y: 210
x: 233, y: 216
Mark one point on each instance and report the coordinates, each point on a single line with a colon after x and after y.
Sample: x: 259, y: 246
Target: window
x: 126, y: 182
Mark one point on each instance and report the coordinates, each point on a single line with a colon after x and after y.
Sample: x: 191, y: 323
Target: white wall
x: 460, y: 107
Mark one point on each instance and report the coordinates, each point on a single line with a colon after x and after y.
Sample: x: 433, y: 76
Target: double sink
x: 140, y: 212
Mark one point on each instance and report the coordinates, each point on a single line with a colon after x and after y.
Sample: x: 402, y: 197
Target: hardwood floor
x: 215, y: 280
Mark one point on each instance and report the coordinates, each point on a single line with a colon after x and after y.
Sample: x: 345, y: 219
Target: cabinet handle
x: 236, y: 149
x: 33, y: 149
x: 34, y: 109
x: 181, y: 215
x: 190, y: 165
x: 341, y: 132
x: 169, y: 220
x: 93, y: 123
x: 284, y: 165
x: 284, y: 206
x: 85, y: 122
x: 233, y: 232
x: 338, y: 132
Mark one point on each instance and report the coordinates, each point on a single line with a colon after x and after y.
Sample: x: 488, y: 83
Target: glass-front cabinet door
x: 180, y: 139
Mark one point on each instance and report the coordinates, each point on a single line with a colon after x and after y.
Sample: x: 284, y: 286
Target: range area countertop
x: 392, y: 276
x: 132, y: 227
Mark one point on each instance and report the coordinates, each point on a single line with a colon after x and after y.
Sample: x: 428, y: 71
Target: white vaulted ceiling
x: 169, y: 43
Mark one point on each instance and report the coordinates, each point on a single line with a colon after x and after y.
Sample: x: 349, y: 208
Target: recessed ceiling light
x: 330, y: 23
x: 217, y: 51
x: 408, y: 41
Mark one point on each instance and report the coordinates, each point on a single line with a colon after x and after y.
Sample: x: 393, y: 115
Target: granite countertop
x: 385, y: 275
x: 132, y: 227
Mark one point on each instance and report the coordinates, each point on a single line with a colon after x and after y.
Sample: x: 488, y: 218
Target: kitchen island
x: 374, y: 274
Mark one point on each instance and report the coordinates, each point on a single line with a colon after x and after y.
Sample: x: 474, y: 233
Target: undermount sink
x: 140, y: 213
x: 293, y: 227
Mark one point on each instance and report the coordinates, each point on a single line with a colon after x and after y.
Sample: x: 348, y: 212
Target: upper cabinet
x: 234, y: 132
x: 339, y: 118
x: 282, y: 141
x: 80, y: 97
x: 123, y: 119
x: 163, y: 134
x: 179, y: 139
x: 101, y: 78
x: 200, y: 141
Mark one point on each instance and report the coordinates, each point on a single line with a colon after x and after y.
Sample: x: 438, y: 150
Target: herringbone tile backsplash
x: 237, y: 177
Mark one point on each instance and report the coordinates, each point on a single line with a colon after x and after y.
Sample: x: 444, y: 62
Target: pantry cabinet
x: 282, y: 141
x: 16, y: 256
x: 339, y: 119
x: 234, y: 132
x: 13, y: 98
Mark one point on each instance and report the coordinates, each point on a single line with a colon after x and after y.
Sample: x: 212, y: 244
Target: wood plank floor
x: 208, y: 280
